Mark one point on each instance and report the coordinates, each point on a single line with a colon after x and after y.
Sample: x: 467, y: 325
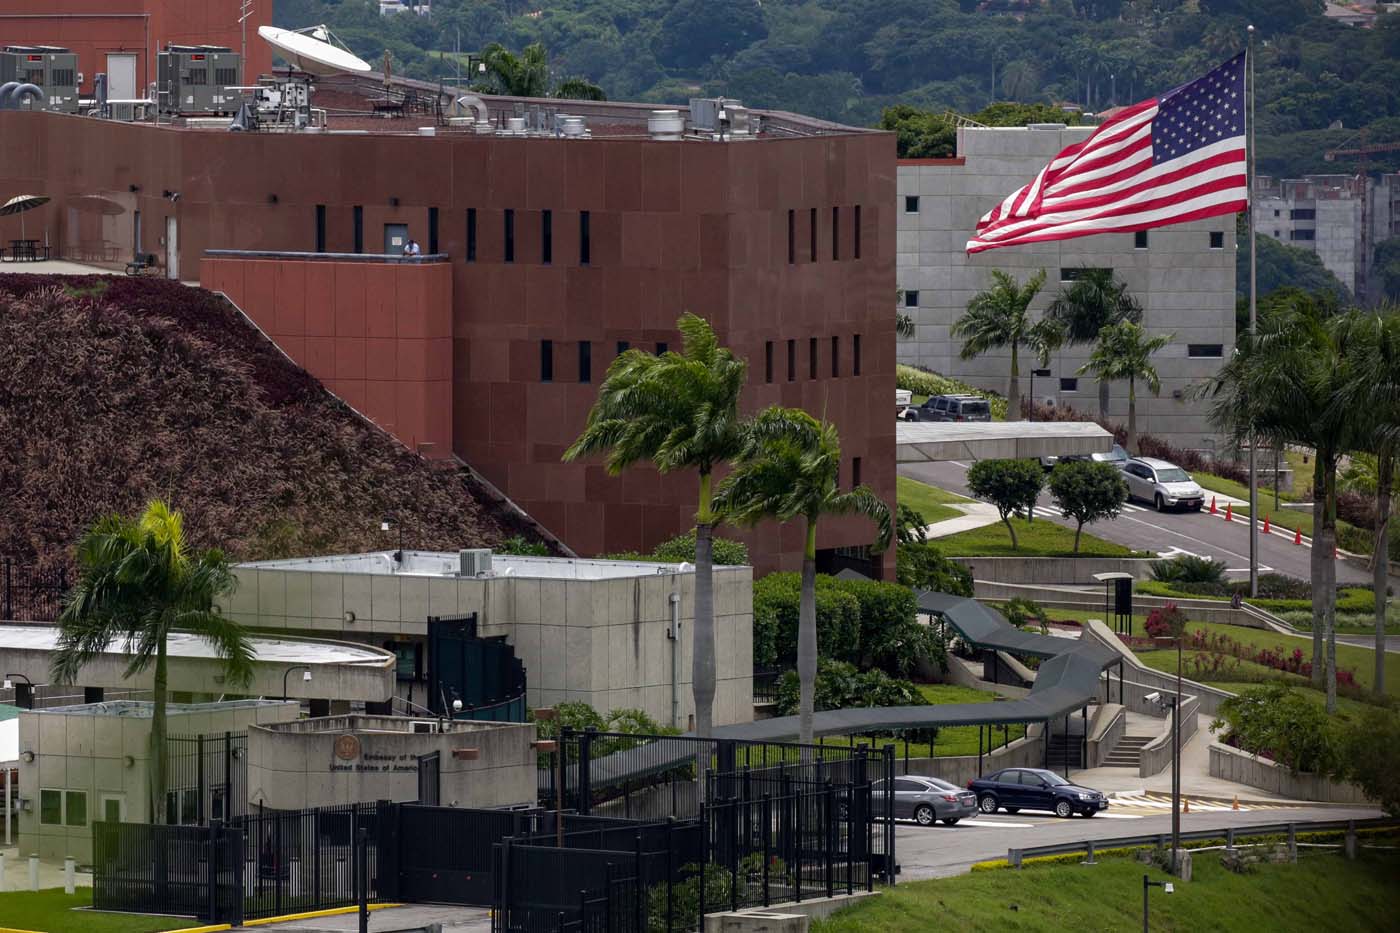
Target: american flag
x: 1170, y: 159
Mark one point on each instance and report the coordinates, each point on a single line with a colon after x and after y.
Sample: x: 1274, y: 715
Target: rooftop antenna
x: 245, y: 11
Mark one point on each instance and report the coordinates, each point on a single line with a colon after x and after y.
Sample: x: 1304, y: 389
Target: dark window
x: 510, y: 235
x: 1275, y: 212
x: 792, y: 237
x: 811, y: 357
x: 320, y: 228
x: 813, y: 231
x: 622, y: 347
x: 546, y: 237
x: 51, y: 807
x: 911, y: 204
x: 902, y: 786
x: 1302, y: 234
x: 471, y: 234
x: 432, y: 231
x: 911, y: 298
x: 1205, y: 351
x: 359, y: 214
x: 546, y: 361
x: 1069, y: 384
x: 1140, y: 239
x: 792, y: 360
x: 836, y: 233
x: 856, y: 229
x: 585, y: 361
x: 75, y: 803
x: 1073, y: 275
x: 855, y: 355
x: 855, y: 472
x: 768, y: 361
x: 835, y: 356
x: 661, y: 347
x: 585, y: 246
x: 1303, y: 213
x: 1217, y: 239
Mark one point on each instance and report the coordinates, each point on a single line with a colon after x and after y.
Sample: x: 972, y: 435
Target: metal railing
x: 28, y: 594
x: 765, y: 686
x: 1015, y: 857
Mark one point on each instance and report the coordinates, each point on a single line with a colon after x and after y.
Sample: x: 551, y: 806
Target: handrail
x: 1016, y: 856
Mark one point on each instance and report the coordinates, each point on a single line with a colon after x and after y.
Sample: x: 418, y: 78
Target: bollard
x: 1229, y: 837
x: 1014, y: 857
x: 1349, y: 846
x: 70, y: 865
x: 1090, y: 859
x: 34, y: 872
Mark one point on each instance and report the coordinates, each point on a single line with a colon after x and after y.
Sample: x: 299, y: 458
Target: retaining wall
x: 1105, y: 731
x: 1157, y: 754
x: 1028, y: 752
x: 1232, y: 764
x: 1140, y: 675
x: 1054, y: 570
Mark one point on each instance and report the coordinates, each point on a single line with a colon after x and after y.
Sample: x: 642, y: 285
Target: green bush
x: 842, y: 686
x: 923, y: 382
x: 580, y: 717
x: 775, y: 609
x: 923, y: 567
x: 1188, y: 568
x: 1278, y: 723
x: 726, y: 551
x: 519, y: 546
x: 1021, y: 612
x: 1371, y: 757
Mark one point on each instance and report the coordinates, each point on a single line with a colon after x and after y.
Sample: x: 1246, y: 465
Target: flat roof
x: 141, y: 709
x: 925, y: 441
x: 447, y: 564
x: 190, y: 646
x: 387, y: 725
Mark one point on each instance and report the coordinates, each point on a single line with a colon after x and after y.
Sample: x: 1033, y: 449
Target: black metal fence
x: 28, y: 594
x: 765, y: 686
x: 207, y: 777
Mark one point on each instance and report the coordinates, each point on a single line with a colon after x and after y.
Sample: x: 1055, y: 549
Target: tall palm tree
x: 678, y: 411
x: 790, y: 468
x: 1000, y: 317
x: 1124, y: 351
x: 1283, y: 383
x: 1370, y: 342
x: 137, y: 583
x: 1096, y: 299
x: 527, y: 75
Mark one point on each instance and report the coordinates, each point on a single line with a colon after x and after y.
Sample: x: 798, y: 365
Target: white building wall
x: 1186, y: 287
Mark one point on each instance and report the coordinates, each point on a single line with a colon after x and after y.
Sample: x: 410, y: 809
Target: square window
x: 1205, y: 351
x: 1140, y: 239
x: 1069, y: 384
x: 1217, y: 239
x: 51, y: 807
x: 911, y: 298
x: 911, y: 204
x: 661, y: 348
x: 75, y: 805
x: 622, y: 347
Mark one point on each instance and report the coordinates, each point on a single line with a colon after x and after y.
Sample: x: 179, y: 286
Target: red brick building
x: 555, y: 255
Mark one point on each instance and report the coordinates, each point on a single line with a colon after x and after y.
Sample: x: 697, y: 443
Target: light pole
x: 24, y: 698
x: 305, y: 677
x: 1147, y: 883
x: 387, y: 523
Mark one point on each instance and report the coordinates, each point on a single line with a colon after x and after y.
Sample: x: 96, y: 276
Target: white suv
x: 1165, y: 485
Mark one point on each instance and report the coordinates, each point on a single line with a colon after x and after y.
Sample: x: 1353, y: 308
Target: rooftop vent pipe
x: 666, y: 125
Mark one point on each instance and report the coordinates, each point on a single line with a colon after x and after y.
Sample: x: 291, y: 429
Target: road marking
x: 1101, y: 815
x: 988, y: 824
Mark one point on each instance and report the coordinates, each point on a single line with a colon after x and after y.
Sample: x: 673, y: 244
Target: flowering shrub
x: 1218, y: 644
x: 1166, y: 622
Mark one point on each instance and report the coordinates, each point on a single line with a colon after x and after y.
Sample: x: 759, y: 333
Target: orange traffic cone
x: 1212, y: 505
x: 1298, y: 535
x: 1236, y: 804
x: 1229, y: 515
x: 1266, y: 524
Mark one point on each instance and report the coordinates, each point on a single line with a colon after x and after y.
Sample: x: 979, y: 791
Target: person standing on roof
x: 411, y: 248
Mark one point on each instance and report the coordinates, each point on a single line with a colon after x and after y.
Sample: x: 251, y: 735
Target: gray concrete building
x: 1324, y: 214
x: 613, y: 634
x: 1183, y: 275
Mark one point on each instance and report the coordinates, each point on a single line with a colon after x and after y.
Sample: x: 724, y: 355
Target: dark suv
x: 953, y: 408
x: 1017, y: 789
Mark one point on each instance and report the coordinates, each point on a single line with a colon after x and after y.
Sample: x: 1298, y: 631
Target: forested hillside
x: 849, y: 59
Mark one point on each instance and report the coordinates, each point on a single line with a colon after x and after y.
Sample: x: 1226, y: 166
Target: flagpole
x: 1253, y: 322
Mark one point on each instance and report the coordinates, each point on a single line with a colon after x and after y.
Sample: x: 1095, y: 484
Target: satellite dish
x: 313, y: 50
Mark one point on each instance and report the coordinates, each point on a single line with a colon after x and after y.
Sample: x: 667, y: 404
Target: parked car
x: 925, y: 800
x: 1165, y: 485
x: 952, y: 408
x: 1016, y: 789
x: 1117, y: 456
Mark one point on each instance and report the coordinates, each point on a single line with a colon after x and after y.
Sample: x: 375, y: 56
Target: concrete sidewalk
x: 406, y: 917
x: 977, y: 515
x: 50, y: 872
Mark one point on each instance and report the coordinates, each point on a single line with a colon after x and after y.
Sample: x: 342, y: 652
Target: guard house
x: 487, y: 629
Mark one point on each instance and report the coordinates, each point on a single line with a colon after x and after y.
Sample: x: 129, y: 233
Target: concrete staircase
x: 1127, y: 753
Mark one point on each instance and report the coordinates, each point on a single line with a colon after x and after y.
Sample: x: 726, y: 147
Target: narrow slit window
x: 855, y: 252
x: 510, y: 235
x: 359, y: 216
x: 835, y: 356
x: 813, y: 232
x: 585, y: 245
x: 811, y: 357
x: 792, y: 360
x: 836, y: 234
x: 855, y: 472
x: 585, y: 361
x: 662, y: 347
x: 546, y: 237
x: 855, y: 355
x: 320, y: 228
x: 768, y: 361
x: 471, y: 234
x: 432, y: 230
x: 546, y: 361
x: 792, y: 237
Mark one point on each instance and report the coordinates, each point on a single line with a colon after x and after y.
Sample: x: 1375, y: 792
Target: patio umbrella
x: 21, y: 203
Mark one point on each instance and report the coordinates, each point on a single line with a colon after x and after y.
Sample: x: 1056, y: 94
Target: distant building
x: 392, y: 7
x: 1324, y: 214
x: 1184, y: 276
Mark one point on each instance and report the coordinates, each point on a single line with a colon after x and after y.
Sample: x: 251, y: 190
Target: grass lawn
x: 1212, y: 483
x: 932, y: 503
x: 1040, y: 538
x: 52, y: 911
x: 1360, y: 660
x: 955, y: 740
x: 1322, y: 892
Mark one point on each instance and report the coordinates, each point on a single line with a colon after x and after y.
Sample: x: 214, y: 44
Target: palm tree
x: 1000, y: 317
x: 1370, y: 342
x: 527, y: 75
x: 903, y: 323
x: 1124, y: 351
x: 790, y: 468
x: 137, y: 584
x: 1283, y: 383
x: 678, y: 411
x: 1095, y: 300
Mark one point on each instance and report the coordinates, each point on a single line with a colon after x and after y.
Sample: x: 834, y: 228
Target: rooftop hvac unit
x: 422, y: 726
x: 474, y: 562
x: 721, y: 116
x: 196, y: 78
x: 53, y: 69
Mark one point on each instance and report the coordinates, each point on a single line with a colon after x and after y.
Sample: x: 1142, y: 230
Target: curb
x: 265, y: 921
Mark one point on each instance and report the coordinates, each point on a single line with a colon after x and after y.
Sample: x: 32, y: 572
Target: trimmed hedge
x: 924, y: 382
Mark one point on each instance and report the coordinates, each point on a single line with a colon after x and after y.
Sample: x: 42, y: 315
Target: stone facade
x: 96, y: 758
x: 1184, y: 277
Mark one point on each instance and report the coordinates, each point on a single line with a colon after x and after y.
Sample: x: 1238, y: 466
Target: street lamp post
x: 24, y: 693
x: 305, y: 677
x: 385, y: 525
x: 1176, y: 761
x: 1147, y: 883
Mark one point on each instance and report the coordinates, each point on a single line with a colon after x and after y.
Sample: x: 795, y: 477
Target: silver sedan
x: 926, y: 799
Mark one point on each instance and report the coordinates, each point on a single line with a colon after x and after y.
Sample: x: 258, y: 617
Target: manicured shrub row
x: 924, y: 382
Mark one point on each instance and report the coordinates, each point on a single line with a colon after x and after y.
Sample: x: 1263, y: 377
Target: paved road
x: 939, y: 851
x: 1143, y: 528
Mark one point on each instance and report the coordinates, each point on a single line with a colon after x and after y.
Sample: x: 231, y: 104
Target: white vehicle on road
x: 1165, y: 485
